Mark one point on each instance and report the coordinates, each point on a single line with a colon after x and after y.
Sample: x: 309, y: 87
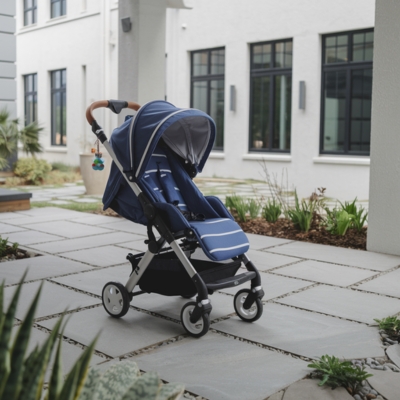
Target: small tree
x: 11, y: 135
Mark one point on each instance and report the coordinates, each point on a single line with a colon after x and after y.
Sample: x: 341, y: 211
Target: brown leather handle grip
x: 105, y: 103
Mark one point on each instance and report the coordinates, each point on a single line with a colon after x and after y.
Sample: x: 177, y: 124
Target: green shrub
x: 335, y: 373
x: 237, y: 205
x: 302, y: 214
x: 391, y: 325
x: 337, y: 222
x: 254, y: 208
x: 59, y: 166
x: 22, y: 376
x: 32, y: 170
x: 271, y: 211
x: 359, y: 215
x: 6, y: 248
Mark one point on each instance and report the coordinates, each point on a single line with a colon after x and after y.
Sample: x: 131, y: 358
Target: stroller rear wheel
x: 198, y: 329
x: 249, y: 315
x: 115, y: 299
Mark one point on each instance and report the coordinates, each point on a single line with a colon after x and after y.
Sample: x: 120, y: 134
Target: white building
x: 287, y: 81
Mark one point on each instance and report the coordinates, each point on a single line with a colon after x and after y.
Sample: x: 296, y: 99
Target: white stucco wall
x: 384, y: 210
x: 235, y: 24
x: 83, y: 40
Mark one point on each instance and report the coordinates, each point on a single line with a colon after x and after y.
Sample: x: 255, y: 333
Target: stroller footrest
x: 231, y: 281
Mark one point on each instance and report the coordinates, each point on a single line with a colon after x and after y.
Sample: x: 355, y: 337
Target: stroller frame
x: 195, y: 316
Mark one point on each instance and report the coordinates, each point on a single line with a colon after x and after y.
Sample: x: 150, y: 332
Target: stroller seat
x: 220, y: 238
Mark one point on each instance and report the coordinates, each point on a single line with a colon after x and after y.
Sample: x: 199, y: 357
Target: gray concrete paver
x: 66, y: 299
x: 7, y: 215
x: 345, y: 303
x: 39, y: 268
x: 387, y: 383
x: 266, y: 261
x: 118, y: 336
x: 218, y: 367
x: 95, y: 219
x: 104, y: 239
x: 258, y: 242
x: 28, y: 237
x: 99, y: 257
x: 339, y: 255
x: 68, y: 229
x: 307, y: 334
x: 393, y: 352
x: 6, y: 228
x: 386, y: 284
x: 125, y: 226
x: 333, y: 274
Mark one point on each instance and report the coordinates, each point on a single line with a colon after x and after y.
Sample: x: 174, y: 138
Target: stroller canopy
x: 189, y: 133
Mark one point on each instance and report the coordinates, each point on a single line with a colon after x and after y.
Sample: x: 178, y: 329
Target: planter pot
x: 95, y: 181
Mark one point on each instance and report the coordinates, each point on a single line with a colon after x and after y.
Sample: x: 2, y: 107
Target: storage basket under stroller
x: 155, y: 155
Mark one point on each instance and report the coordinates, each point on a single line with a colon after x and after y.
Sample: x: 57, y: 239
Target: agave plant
x: 22, y: 375
x: 11, y: 134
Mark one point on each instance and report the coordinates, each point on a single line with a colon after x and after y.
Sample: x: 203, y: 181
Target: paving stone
x: 99, y: 257
x: 7, y: 215
x: 171, y: 306
x: 277, y: 396
x: 69, y: 352
x: 118, y: 336
x: 386, y: 284
x: 135, y: 246
x: 6, y: 228
x: 68, y: 229
x: 86, y: 200
x: 386, y: 383
x: 38, y: 268
x: 68, y: 197
x: 94, y: 219
x: 265, y: 261
x: 345, y: 303
x: 59, y: 202
x: 66, y: 299
x: 326, y: 273
x: 125, y: 226
x: 393, y: 352
x: 35, y: 212
x: 218, y: 367
x: 28, y: 237
x: 306, y: 333
x: 60, y: 246
x: 94, y: 280
x: 258, y: 242
x: 273, y: 286
x: 355, y: 258
x: 39, y: 198
x: 308, y: 389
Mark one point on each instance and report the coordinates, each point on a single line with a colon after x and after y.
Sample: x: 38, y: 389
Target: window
x: 346, y: 93
x: 208, y: 88
x: 30, y: 10
x: 30, y: 96
x: 58, y: 8
x: 58, y: 108
x: 270, y: 96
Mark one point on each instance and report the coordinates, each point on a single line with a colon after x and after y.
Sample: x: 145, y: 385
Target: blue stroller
x: 156, y: 154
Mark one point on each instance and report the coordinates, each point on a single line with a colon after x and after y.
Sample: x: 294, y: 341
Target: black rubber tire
x: 115, y: 299
x: 201, y: 327
x: 255, y: 311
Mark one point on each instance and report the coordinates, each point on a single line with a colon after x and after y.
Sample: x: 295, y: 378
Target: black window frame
x: 208, y: 77
x: 271, y: 72
x: 30, y: 93
x: 32, y: 10
x: 347, y: 66
x: 63, y: 8
x: 62, y: 89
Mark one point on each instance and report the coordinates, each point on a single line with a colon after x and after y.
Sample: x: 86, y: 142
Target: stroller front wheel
x: 249, y: 315
x: 115, y: 299
x: 198, y: 329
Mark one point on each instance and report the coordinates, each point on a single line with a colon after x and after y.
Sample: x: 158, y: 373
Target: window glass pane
x: 283, y: 55
x: 334, y: 110
x: 260, y: 112
x: 217, y: 93
x: 361, y: 90
x: 282, y: 118
x: 55, y: 9
x: 262, y: 56
x: 217, y: 62
x: 200, y: 63
x: 64, y: 117
x: 336, y: 49
x: 199, y: 95
x: 56, y: 118
x: 63, y: 7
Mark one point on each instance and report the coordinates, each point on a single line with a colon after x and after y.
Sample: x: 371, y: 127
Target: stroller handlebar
x: 115, y: 106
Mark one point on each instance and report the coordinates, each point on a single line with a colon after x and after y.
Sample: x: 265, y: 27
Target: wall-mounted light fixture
x: 126, y: 24
x: 302, y: 95
x: 232, y: 98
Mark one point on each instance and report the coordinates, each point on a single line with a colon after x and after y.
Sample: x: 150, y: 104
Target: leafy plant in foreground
x: 337, y: 222
x: 254, y: 208
x: 6, y: 248
x: 302, y: 214
x: 359, y: 214
x: 335, y: 373
x: 238, y: 205
x: 32, y: 170
x: 271, y: 211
